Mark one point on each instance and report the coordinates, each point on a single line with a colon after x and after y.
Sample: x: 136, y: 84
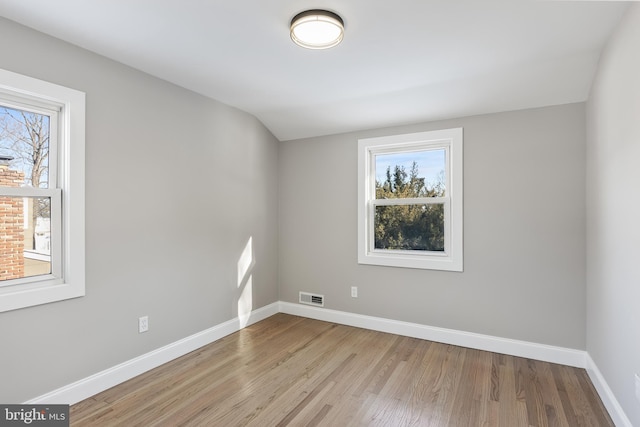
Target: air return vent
x: 312, y: 299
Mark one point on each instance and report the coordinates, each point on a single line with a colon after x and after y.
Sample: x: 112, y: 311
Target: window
x: 41, y: 192
x: 410, y: 200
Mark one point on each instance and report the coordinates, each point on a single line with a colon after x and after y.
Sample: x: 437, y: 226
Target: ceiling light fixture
x: 317, y: 29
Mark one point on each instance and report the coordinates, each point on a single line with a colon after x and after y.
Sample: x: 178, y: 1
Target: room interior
x: 221, y: 180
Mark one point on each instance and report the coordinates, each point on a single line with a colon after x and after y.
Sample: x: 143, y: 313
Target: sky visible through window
x: 431, y: 164
x: 23, y: 134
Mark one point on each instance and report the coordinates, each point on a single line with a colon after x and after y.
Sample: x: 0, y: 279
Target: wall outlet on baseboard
x: 638, y: 387
x: 143, y: 324
x: 354, y: 292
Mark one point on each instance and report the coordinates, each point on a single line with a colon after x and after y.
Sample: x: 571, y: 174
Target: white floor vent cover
x: 312, y: 299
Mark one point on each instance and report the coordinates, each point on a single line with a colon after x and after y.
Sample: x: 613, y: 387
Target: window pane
x: 24, y: 148
x: 410, y: 174
x: 410, y: 227
x: 24, y: 237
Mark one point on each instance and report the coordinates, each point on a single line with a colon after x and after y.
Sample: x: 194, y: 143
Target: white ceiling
x: 401, y: 61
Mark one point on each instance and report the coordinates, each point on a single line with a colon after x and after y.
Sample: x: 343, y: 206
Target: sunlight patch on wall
x: 245, y: 303
x: 245, y: 283
x: 245, y: 262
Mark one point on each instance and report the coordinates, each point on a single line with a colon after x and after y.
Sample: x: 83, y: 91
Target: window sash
x: 55, y: 196
x: 414, y: 147
x: 51, y: 110
x: 371, y: 211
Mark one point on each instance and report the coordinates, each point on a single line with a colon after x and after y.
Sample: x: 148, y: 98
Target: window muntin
x: 410, y: 200
x: 42, y: 159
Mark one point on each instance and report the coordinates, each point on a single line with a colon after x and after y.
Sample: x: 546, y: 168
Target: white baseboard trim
x: 610, y: 402
x: 108, y: 378
x: 87, y: 387
x: 546, y: 353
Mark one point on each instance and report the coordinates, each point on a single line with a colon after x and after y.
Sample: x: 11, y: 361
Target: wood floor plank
x: 470, y: 391
x: 292, y: 371
x: 565, y: 401
x: 445, y: 387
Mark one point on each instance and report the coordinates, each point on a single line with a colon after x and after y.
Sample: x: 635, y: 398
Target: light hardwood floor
x: 288, y: 370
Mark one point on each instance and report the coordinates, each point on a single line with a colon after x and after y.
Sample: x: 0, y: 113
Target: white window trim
x: 70, y: 281
x: 452, y: 258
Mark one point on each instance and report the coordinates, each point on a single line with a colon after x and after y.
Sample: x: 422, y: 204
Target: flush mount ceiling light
x: 317, y: 29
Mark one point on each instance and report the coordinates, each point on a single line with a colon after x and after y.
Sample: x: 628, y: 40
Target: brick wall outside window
x: 11, y: 227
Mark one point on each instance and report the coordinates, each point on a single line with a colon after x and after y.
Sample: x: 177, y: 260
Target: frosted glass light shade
x: 317, y: 29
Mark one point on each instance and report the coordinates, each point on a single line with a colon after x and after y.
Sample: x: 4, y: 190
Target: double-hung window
x: 410, y: 200
x: 41, y: 192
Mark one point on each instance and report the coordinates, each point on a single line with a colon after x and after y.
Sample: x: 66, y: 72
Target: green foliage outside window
x: 418, y: 227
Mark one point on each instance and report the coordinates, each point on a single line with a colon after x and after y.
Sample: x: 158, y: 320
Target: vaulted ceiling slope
x: 401, y: 61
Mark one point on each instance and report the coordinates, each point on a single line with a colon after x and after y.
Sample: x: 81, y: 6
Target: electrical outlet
x: 638, y: 387
x: 143, y: 324
x: 354, y: 292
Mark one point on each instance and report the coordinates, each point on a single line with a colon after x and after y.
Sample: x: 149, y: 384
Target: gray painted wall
x: 524, y: 230
x: 176, y: 184
x: 613, y: 213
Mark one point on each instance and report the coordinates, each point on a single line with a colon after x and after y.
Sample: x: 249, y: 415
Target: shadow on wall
x: 245, y: 283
